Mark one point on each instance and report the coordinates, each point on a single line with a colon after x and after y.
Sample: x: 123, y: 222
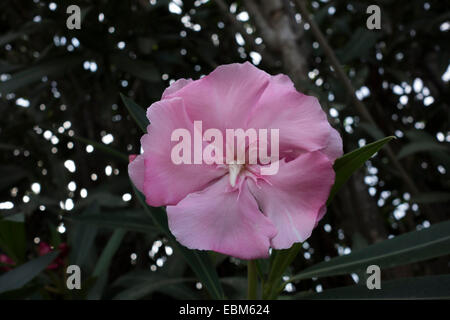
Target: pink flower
x: 6, y: 262
x: 45, y: 248
x: 233, y: 208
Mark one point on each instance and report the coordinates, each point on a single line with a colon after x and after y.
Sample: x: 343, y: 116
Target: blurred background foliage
x: 65, y: 134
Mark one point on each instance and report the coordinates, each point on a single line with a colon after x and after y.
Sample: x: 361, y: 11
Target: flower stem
x: 252, y: 280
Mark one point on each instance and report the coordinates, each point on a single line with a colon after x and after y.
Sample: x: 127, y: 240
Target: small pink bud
x: 131, y: 157
x: 44, y: 248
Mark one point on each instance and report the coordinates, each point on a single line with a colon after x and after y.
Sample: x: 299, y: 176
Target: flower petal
x: 301, y: 121
x: 174, y: 87
x: 293, y: 198
x: 222, y: 220
x: 166, y: 183
x: 334, y: 148
x: 224, y: 98
x: 322, y: 212
x: 136, y: 171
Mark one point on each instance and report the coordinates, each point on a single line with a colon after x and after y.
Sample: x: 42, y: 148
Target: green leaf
x: 21, y: 275
x: 11, y: 174
x: 14, y: 216
x: 23, y: 293
x: 372, y: 130
x: 421, y: 141
x: 350, y: 162
x: 441, y: 157
x: 55, y: 236
x: 406, y: 248
x: 420, y: 146
x: 236, y: 287
x: 359, y: 45
x: 103, y: 199
x: 96, y: 289
x: 344, y: 168
x: 82, y: 238
x: 280, y: 261
x: 105, y: 259
x: 138, y: 68
x: 199, y: 261
x: 143, y: 283
x: 419, y: 135
x: 180, y: 291
x: 431, y: 197
x: 100, y: 146
x: 429, y: 287
x: 128, y: 220
x: 27, y: 29
x: 35, y: 73
x: 6, y: 67
x: 136, y: 112
x: 12, y: 239
x: 263, y: 268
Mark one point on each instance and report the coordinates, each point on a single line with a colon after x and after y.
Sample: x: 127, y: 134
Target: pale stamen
x: 234, y: 170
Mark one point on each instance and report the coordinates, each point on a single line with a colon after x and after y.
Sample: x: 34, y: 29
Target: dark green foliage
x: 65, y: 93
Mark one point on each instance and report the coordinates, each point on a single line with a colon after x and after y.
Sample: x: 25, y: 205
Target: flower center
x: 234, y: 170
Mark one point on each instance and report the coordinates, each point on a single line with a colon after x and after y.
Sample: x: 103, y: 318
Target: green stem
x: 282, y: 259
x: 252, y: 280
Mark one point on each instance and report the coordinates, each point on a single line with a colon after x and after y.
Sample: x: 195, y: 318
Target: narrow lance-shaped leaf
x: 420, y: 141
x: 344, y: 168
x: 25, y: 77
x: 11, y: 174
x: 12, y: 239
x: 128, y: 220
x: 140, y: 284
x: 139, y: 68
x: 420, y: 146
x: 281, y: 259
x: 82, y: 238
x: 100, y: 146
x: 350, y: 162
x: 372, y: 130
x: 137, y: 112
x: 431, y: 197
x: 429, y: 287
x: 105, y: 259
x: 406, y: 248
x: 199, y: 261
x: 27, y: 29
x: 21, y: 275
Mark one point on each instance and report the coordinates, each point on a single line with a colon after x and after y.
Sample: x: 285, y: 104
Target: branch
x: 266, y: 31
x: 238, y: 26
x: 360, y: 107
x: 275, y: 27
